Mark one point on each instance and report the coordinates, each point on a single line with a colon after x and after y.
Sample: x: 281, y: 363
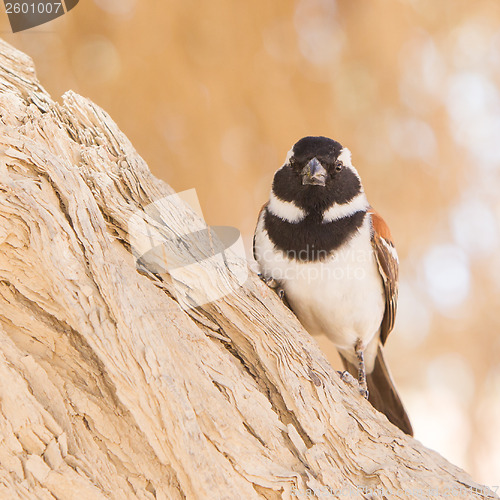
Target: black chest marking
x: 310, y: 239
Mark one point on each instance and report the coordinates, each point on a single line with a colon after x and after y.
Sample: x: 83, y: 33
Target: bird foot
x: 364, y: 392
x: 272, y: 283
x: 346, y: 377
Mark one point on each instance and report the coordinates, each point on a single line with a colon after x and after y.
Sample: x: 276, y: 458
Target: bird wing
x: 261, y: 214
x: 388, y: 266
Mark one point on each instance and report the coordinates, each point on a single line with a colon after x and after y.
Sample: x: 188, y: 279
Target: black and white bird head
x: 317, y: 174
x: 317, y: 202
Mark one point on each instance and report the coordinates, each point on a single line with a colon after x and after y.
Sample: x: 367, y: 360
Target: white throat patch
x: 339, y: 211
x: 285, y: 210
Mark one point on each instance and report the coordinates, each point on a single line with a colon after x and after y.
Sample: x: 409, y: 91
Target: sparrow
x: 331, y: 255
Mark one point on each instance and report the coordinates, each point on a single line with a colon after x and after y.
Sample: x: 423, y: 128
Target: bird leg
x: 274, y: 284
x: 363, y: 387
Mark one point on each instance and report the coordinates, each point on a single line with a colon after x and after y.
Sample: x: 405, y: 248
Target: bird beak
x: 314, y: 173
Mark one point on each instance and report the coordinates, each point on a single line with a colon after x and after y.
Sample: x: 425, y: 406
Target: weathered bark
x: 111, y: 386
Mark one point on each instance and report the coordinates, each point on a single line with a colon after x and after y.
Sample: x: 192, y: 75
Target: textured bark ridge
x: 113, y: 386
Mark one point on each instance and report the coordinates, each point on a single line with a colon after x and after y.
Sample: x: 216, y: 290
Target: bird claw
x: 363, y: 392
x: 346, y: 377
x: 272, y: 283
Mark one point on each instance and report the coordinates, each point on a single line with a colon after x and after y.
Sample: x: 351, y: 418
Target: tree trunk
x: 128, y: 374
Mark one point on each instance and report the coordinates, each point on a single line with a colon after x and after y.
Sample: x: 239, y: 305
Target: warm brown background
x: 213, y: 94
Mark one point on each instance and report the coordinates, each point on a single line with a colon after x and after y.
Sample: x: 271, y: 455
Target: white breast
x: 342, y: 297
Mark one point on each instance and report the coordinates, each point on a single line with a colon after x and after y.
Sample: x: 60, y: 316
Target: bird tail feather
x: 382, y: 393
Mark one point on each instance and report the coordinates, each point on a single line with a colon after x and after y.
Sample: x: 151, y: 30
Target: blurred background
x: 213, y: 95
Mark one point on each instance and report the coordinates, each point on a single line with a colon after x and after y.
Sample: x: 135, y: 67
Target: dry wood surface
x: 117, y: 379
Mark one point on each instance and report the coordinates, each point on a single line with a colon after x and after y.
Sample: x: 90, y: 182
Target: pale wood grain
x: 110, y: 389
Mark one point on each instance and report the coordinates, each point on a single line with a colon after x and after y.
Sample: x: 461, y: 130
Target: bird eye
x: 338, y: 166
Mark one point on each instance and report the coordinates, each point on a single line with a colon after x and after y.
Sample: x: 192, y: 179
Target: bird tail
x: 382, y: 393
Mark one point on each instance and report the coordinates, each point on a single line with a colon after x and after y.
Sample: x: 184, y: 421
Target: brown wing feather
x: 382, y: 392
x: 388, y: 266
x: 258, y: 218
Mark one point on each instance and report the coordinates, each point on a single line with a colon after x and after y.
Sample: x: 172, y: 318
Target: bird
x: 331, y: 257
